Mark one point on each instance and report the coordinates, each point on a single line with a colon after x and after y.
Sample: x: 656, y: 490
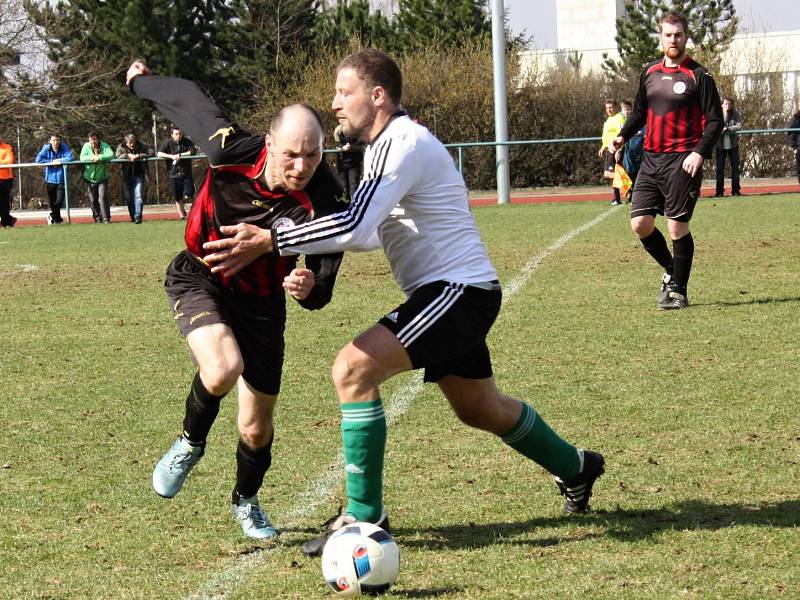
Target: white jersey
x: 413, y: 203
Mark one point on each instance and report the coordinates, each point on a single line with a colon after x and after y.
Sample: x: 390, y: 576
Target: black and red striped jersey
x: 680, y: 106
x: 231, y: 191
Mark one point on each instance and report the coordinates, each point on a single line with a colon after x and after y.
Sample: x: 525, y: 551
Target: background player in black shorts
x: 679, y: 102
x: 234, y: 325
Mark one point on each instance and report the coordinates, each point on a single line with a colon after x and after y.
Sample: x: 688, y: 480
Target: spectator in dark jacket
x: 794, y: 138
x: 728, y: 147
x: 134, y: 174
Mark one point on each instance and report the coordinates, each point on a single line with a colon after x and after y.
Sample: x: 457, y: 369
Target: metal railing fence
x: 459, y: 147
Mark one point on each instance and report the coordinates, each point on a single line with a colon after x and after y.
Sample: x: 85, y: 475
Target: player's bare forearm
x: 230, y: 255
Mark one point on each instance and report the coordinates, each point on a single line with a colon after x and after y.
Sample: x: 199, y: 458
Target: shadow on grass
x: 625, y: 525
x: 752, y: 301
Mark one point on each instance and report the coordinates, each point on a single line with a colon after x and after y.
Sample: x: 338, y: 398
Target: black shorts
x: 443, y: 327
x: 197, y: 299
x: 664, y: 188
x: 610, y: 162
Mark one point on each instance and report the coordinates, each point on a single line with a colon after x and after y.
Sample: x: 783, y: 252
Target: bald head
x: 298, y: 116
x: 295, y: 141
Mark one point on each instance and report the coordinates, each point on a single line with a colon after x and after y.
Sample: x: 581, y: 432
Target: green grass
x: 695, y: 411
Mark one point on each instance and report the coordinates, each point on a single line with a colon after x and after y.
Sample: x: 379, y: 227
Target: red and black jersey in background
x: 231, y: 193
x: 680, y: 106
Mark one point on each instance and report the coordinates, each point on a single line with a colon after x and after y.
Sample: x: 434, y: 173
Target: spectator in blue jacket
x: 54, y: 153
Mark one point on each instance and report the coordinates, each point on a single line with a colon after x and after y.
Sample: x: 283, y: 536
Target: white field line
x: 224, y: 583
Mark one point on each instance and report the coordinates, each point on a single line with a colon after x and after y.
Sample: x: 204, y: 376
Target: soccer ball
x: 360, y: 558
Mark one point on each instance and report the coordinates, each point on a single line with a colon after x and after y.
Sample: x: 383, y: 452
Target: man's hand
x: 230, y: 255
x: 299, y: 283
x: 137, y: 68
x: 601, y: 152
x: 616, y: 144
x: 693, y: 163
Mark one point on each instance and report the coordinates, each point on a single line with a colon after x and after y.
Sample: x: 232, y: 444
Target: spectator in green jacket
x: 96, y: 154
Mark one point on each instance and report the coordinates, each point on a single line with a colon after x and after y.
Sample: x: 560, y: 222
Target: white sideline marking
x: 27, y: 268
x: 227, y: 581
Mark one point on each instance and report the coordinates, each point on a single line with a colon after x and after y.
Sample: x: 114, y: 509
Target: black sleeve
x: 325, y: 268
x: 327, y: 197
x: 711, y: 106
x: 326, y: 191
x: 185, y: 104
x: 638, y: 116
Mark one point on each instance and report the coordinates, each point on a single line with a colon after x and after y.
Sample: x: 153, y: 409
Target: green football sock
x: 364, y: 442
x: 534, y: 439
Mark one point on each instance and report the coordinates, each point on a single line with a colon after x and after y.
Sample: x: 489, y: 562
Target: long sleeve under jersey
x: 413, y: 203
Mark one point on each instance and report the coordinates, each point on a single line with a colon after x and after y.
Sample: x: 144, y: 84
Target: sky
x: 538, y: 17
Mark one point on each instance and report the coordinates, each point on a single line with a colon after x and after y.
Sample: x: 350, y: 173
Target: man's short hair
x: 54, y: 135
x: 376, y: 68
x: 277, y: 119
x: 175, y: 128
x: 610, y: 101
x: 729, y: 99
x: 130, y: 137
x: 93, y: 134
x: 673, y: 17
x: 627, y: 103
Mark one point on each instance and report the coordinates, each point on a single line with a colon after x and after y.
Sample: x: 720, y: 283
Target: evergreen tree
x: 420, y: 23
x: 267, y: 31
x: 712, y: 25
x: 348, y: 20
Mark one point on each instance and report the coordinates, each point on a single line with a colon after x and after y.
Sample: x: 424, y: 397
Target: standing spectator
x: 794, y: 138
x: 180, y: 172
x: 97, y: 154
x: 134, y: 174
x: 349, y: 157
x: 632, y: 151
x: 728, y: 146
x: 611, y: 129
x: 678, y: 100
x: 53, y: 154
x: 6, y: 183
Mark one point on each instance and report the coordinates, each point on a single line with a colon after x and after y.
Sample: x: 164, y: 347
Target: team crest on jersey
x: 679, y: 87
x: 282, y: 223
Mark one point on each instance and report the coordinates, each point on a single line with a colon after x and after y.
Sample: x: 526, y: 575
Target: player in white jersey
x: 413, y: 203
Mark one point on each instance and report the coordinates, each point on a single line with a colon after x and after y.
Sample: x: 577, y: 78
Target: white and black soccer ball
x: 360, y: 558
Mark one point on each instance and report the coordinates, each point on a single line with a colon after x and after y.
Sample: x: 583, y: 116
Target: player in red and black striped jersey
x: 234, y: 325
x: 679, y: 102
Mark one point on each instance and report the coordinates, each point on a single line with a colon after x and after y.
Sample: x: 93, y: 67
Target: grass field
x: 696, y: 412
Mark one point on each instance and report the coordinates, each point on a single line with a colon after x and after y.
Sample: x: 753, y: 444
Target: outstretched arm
x: 186, y: 105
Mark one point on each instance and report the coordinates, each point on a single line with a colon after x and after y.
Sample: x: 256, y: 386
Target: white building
x: 586, y: 31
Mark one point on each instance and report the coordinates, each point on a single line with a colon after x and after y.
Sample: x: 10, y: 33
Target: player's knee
x: 220, y: 377
x: 256, y: 434
x: 642, y: 227
x: 349, y: 369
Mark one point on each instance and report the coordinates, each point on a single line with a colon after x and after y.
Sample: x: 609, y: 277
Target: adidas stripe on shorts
x: 443, y: 327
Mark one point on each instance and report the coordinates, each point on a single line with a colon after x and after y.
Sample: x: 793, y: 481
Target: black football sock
x: 684, y: 253
x: 251, y: 466
x: 202, y: 408
x: 656, y: 246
